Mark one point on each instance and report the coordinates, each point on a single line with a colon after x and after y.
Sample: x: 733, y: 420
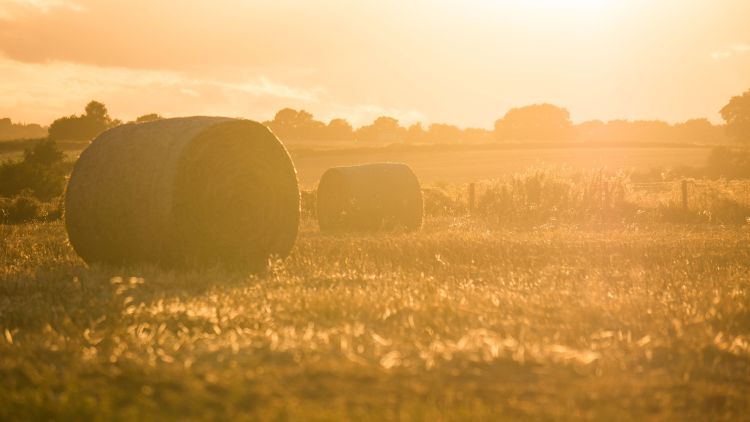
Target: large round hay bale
x: 381, y: 196
x: 192, y: 191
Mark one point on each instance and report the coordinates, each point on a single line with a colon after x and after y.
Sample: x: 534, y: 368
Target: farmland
x: 476, y: 162
x: 452, y: 163
x: 564, y: 295
x: 374, y: 211
x: 459, y: 321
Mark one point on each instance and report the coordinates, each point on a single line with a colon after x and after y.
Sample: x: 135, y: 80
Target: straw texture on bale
x: 189, y: 191
x: 371, y: 197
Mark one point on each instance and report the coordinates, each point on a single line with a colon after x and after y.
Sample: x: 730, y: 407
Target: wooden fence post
x: 685, y: 194
x: 472, y: 198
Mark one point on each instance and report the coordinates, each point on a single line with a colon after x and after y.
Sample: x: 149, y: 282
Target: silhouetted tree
x: 286, y: 121
x: 441, y: 133
x: 293, y: 125
x: 544, y: 122
x: 148, y: 118
x: 618, y: 131
x: 535, y: 122
x: 699, y: 130
x: 286, y: 116
x: 84, y: 127
x: 476, y: 135
x: 737, y: 115
x: 416, y: 134
x: 10, y: 130
x: 591, y: 131
x: 97, y: 111
x: 45, y: 153
x: 339, y: 130
x: 383, y: 130
x: 311, y: 129
x: 640, y: 130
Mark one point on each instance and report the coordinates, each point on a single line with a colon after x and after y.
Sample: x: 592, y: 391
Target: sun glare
x: 581, y: 8
x: 374, y: 210
x: 576, y: 4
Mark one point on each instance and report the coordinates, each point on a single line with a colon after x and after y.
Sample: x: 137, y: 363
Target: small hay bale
x: 371, y: 197
x: 193, y: 191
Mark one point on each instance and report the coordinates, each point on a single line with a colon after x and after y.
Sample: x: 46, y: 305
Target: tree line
x: 537, y: 122
x: 82, y: 127
x: 12, y: 131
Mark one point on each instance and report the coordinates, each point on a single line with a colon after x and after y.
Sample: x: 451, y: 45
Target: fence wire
x: 691, y: 193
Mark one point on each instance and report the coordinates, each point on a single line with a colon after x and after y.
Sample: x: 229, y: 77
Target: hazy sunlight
x: 374, y: 210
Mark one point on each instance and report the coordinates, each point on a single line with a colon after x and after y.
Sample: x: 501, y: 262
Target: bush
x: 42, y: 172
x: 21, y: 209
x: 540, y: 196
x: 722, y: 162
x: 728, y: 163
x: 438, y: 201
x: 54, y: 209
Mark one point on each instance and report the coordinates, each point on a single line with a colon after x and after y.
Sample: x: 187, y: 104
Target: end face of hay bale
x: 184, y: 192
x: 371, y: 197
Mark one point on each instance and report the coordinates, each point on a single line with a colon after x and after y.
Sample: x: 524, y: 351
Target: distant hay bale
x: 381, y: 196
x: 190, y: 191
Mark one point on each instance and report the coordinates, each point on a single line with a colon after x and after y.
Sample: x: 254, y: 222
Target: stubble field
x: 580, y: 296
x: 458, y: 321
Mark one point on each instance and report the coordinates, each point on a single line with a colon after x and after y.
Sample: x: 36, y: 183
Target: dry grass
x: 547, y: 196
x: 459, y: 321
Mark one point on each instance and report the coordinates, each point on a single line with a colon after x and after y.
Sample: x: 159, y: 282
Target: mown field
x: 452, y: 164
x: 562, y: 295
x: 464, y: 163
x: 461, y: 321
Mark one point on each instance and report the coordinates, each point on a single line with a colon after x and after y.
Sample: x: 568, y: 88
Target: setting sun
x: 575, y: 7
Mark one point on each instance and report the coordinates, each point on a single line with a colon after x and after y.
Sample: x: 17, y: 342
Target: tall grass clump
x: 26, y: 208
x: 444, y: 200
x: 717, y: 202
x: 308, y: 201
x: 20, y: 209
x: 543, y: 195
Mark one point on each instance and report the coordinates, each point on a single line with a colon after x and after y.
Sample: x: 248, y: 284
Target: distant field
x: 464, y: 164
x: 440, y: 163
x: 17, y: 155
x: 13, y: 150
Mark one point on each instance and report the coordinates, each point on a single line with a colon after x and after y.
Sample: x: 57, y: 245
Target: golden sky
x: 463, y: 62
